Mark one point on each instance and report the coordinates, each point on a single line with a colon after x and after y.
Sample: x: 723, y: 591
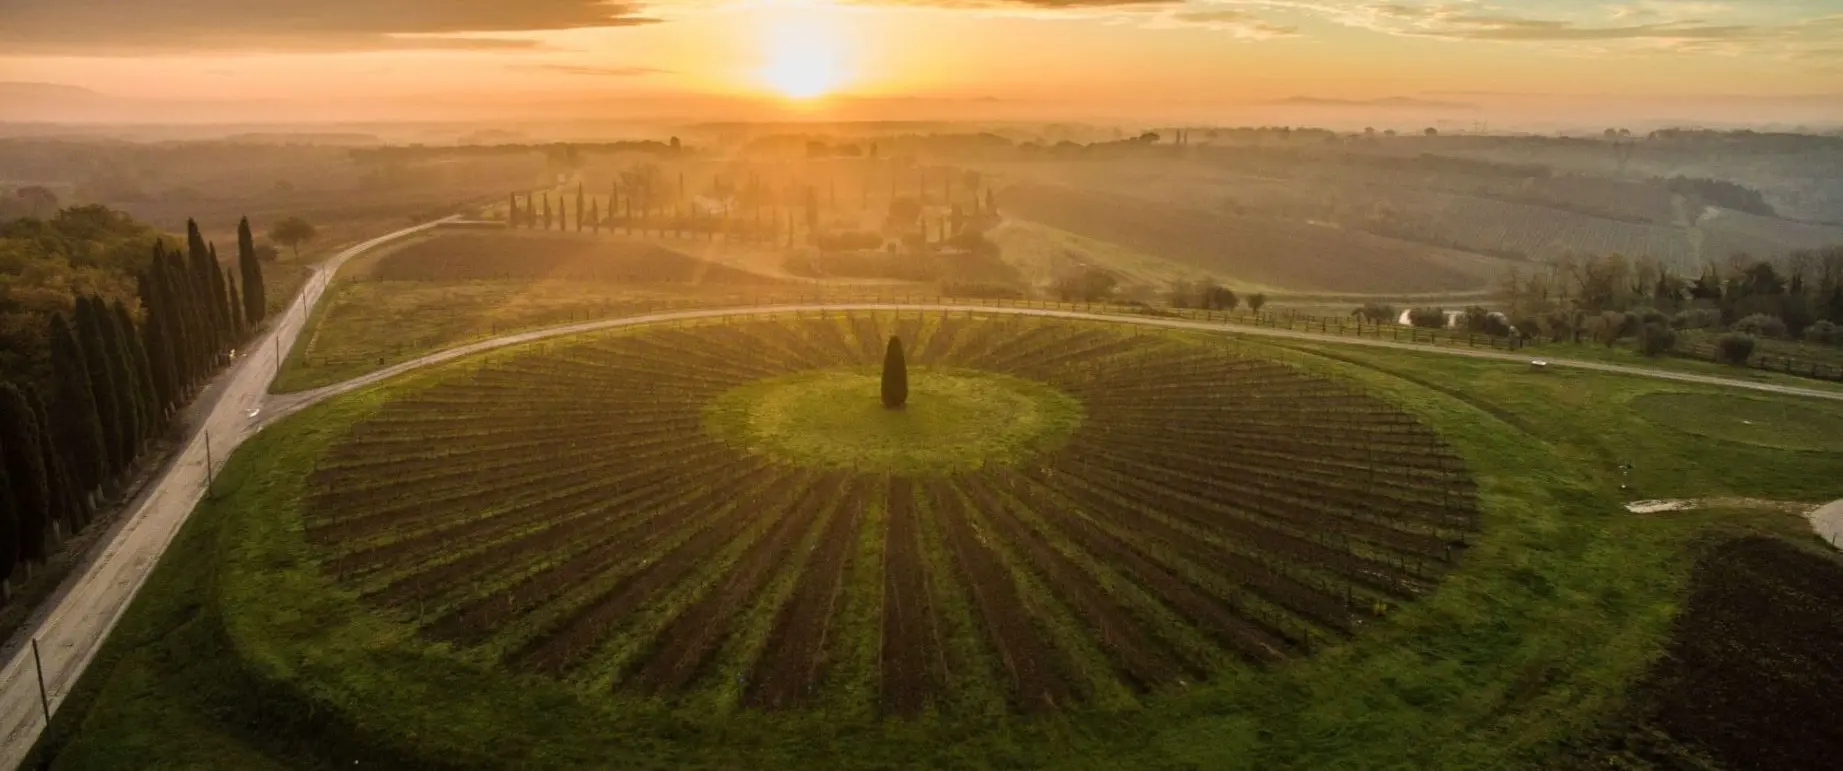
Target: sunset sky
x: 341, y: 59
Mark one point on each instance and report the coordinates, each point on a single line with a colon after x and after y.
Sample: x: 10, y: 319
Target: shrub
x: 1428, y: 318
x: 1761, y: 325
x: 1651, y: 316
x: 1697, y: 318
x: 1656, y: 339
x: 1092, y: 285
x: 1377, y: 313
x: 1824, y: 333
x: 1609, y: 326
x: 1734, y: 348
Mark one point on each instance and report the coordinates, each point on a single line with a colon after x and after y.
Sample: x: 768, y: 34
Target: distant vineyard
x: 563, y: 512
x: 1269, y: 251
x: 476, y: 256
x: 1728, y: 233
x: 1530, y: 232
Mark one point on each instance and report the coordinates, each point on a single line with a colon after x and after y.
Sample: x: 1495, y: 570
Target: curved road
x: 93, y: 600
x: 72, y: 627
x: 281, y: 405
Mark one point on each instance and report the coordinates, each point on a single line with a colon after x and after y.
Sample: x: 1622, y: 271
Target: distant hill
x: 305, y: 138
x: 31, y: 102
x: 1396, y: 102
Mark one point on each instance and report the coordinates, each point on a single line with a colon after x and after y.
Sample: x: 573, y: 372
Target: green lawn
x: 1810, y: 427
x: 241, y: 653
x: 954, y: 420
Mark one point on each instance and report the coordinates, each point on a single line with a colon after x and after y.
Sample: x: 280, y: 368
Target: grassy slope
x: 955, y: 420
x: 1530, y: 645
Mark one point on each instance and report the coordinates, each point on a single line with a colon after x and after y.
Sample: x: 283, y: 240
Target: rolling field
x: 685, y: 545
x: 435, y: 292
x: 1535, y: 232
x: 513, y: 256
x: 1293, y: 254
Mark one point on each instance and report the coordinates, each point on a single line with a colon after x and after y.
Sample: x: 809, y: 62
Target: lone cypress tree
x: 79, y: 429
x: 579, y: 207
x: 547, y: 210
x: 255, y: 302
x: 895, y: 375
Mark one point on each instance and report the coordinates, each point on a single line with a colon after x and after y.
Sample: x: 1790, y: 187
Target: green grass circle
x: 1780, y: 424
x: 955, y: 420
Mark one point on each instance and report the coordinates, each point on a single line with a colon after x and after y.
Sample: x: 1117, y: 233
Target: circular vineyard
x: 1065, y: 513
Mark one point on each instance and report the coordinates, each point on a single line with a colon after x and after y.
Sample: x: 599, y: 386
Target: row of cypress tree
x: 116, y: 386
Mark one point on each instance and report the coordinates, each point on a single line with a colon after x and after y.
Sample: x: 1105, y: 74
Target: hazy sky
x: 346, y: 58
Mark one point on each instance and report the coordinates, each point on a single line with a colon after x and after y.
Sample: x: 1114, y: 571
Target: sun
x: 804, y: 51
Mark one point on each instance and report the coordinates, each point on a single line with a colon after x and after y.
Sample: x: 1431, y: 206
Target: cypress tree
x: 255, y: 298
x: 68, y: 504
x: 595, y: 218
x: 9, y: 525
x: 127, y: 392
x: 220, y: 306
x: 159, y: 350
x: 237, y: 321
x: 195, y: 241
x: 546, y: 211
x: 115, y: 426
x: 198, y: 277
x: 512, y: 210
x: 579, y: 209
x: 895, y: 375
x: 28, y: 507
x: 78, y: 427
x: 153, y: 412
x: 155, y: 337
x: 192, y: 277
x: 187, y: 341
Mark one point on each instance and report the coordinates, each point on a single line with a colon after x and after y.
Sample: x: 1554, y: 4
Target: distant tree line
x: 74, y: 425
x: 1609, y: 298
x: 563, y: 153
x: 1722, y: 193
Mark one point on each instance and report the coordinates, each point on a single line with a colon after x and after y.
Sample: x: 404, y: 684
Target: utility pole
x: 44, y: 699
x: 208, y: 479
